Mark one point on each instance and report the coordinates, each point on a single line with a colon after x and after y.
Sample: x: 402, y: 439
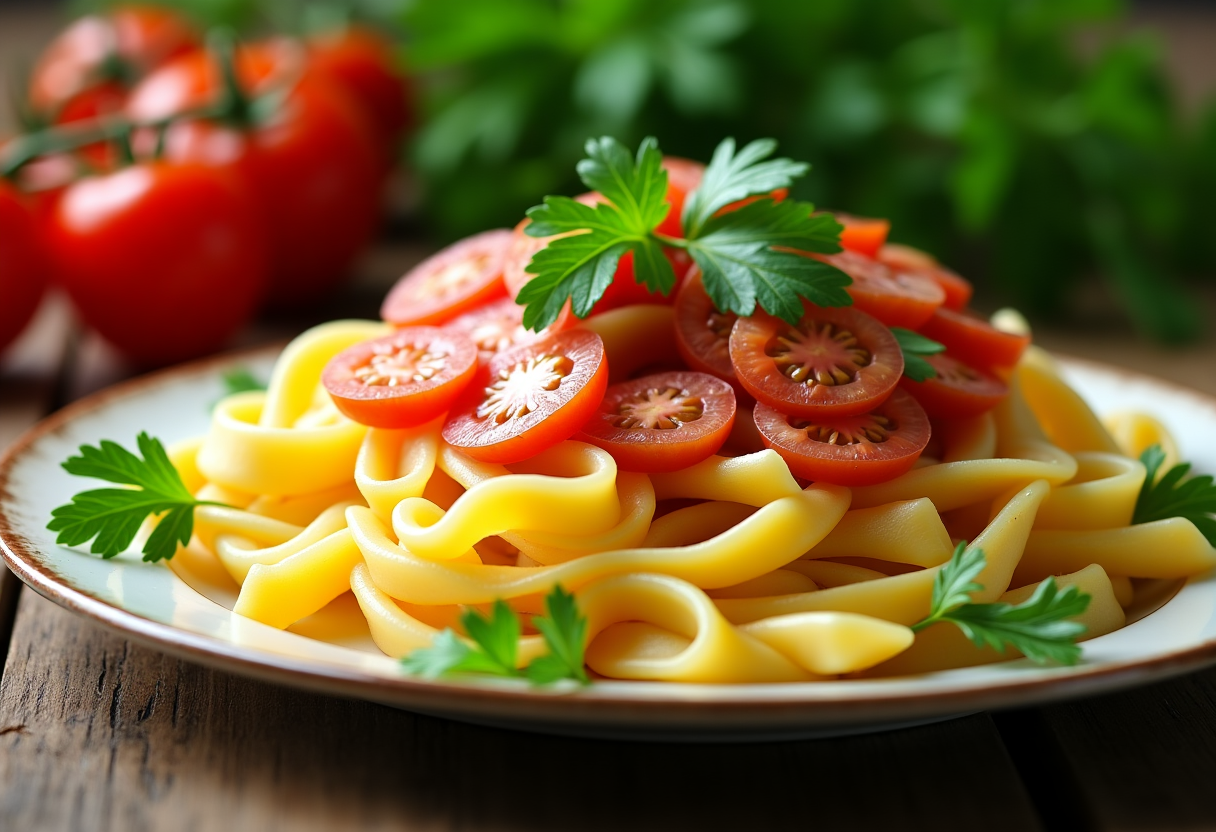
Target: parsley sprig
x: 748, y: 257
x: 1040, y: 627
x: 914, y: 345
x: 1175, y: 494
x: 495, y: 640
x: 241, y: 380
x: 111, y: 517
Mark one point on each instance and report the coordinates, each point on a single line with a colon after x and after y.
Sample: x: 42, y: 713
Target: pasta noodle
x: 727, y: 571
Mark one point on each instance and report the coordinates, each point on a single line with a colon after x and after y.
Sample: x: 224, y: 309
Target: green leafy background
x: 1033, y: 143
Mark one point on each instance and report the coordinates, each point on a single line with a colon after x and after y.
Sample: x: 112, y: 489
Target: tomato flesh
x: 404, y: 379
x: 862, y: 234
x: 862, y: 449
x: 499, y: 325
x: 958, y: 391
x: 834, y: 362
x: 910, y: 260
x: 663, y: 422
x: 895, y: 298
x: 530, y: 398
x: 463, y: 276
x: 702, y: 332
x: 973, y: 340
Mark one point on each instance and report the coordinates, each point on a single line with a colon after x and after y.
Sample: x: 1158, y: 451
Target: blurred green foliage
x: 1029, y: 142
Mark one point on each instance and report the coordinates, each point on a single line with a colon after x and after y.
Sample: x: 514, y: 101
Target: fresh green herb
x: 1176, y: 495
x: 914, y: 345
x: 1040, y: 627
x: 747, y: 256
x: 240, y: 380
x: 111, y: 517
x: 495, y: 640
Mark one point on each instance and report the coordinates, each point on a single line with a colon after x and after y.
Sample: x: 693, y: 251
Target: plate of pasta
x: 557, y: 489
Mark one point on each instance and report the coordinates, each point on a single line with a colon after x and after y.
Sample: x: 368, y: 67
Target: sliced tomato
x: 530, y: 398
x: 863, y: 234
x: 404, y: 379
x: 462, y: 276
x: 895, y: 298
x: 499, y: 326
x: 835, y: 362
x: 907, y: 259
x: 663, y: 422
x: 863, y: 449
x: 959, y: 391
x: 973, y: 340
x: 702, y: 332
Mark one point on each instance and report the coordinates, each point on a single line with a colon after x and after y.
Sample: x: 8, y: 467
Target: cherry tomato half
x: 499, y: 326
x: 404, y: 379
x: 461, y: 277
x: 907, y: 259
x: 835, y: 362
x: 974, y: 340
x: 22, y: 265
x: 663, y: 422
x: 530, y: 398
x: 702, y: 332
x: 863, y: 234
x: 895, y: 298
x: 863, y: 449
x: 958, y: 391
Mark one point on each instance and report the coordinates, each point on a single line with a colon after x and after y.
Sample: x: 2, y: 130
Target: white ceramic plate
x: 151, y: 604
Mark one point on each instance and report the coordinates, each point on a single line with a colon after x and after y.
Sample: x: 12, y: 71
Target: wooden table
x: 99, y: 734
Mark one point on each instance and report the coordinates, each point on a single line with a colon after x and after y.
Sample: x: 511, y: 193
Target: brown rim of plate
x: 646, y: 704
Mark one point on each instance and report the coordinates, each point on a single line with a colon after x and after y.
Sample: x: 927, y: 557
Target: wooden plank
x: 100, y: 734
x: 1144, y: 758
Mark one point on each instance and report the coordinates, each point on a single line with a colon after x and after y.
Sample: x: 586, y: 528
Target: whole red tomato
x: 311, y: 160
x: 360, y: 61
x: 111, y: 48
x: 166, y: 260
x: 22, y: 272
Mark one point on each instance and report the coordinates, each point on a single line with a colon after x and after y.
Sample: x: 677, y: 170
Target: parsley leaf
x: 1176, y: 495
x: 495, y: 642
x: 111, y: 517
x: 748, y: 256
x: 240, y: 380
x: 914, y: 345
x: 1039, y: 627
x: 732, y: 176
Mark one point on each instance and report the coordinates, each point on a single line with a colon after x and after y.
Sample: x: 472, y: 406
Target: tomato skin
x: 907, y: 259
x: 557, y: 414
x: 313, y: 166
x: 973, y: 340
x: 360, y: 61
x: 23, y: 273
x: 958, y: 391
x: 873, y: 361
x: 895, y: 298
x: 653, y: 450
x: 863, y: 234
x: 702, y: 332
x: 861, y: 463
x: 499, y: 326
x: 413, y: 401
x: 683, y: 177
x: 422, y: 296
x: 165, y: 260
x: 137, y: 38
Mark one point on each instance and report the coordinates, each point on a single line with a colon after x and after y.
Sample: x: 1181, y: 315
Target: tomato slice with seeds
x: 702, y: 332
x: 530, y: 398
x: 862, y: 449
x: 896, y: 298
x: 974, y: 340
x: 863, y: 234
x: 663, y: 422
x: 462, y: 276
x: 959, y: 391
x: 404, y: 379
x: 499, y: 326
x: 907, y: 259
x: 834, y: 362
